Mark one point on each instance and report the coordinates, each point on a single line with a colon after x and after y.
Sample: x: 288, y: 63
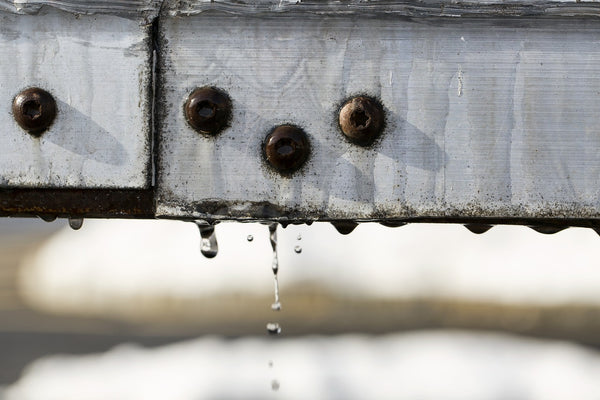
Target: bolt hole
x: 32, y: 108
x: 205, y: 110
x: 359, y: 119
x: 285, y: 147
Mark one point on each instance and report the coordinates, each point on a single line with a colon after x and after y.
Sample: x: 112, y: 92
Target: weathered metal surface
x: 491, y: 109
x: 98, y: 68
x: 141, y: 10
x: 485, y: 117
x: 409, y: 8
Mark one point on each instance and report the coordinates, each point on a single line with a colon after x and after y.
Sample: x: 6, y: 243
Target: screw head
x: 208, y: 110
x: 286, y: 148
x: 361, y: 120
x: 34, y: 110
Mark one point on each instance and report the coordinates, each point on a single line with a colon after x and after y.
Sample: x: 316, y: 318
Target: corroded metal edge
x: 94, y: 203
x: 216, y: 211
x: 140, y: 204
x: 406, y: 8
x: 145, y: 10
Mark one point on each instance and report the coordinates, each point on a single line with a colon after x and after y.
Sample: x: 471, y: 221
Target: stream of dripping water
x: 208, y: 242
x: 273, y: 327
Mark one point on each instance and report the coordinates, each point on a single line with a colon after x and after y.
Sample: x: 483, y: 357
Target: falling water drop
x: 273, y: 328
x: 298, y: 249
x: 249, y: 238
x: 274, y: 385
x: 75, y: 223
x: 208, y: 243
x: 299, y: 237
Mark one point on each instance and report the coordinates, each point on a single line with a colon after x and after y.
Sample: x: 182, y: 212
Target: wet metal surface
x: 502, y: 133
x: 98, y: 70
x: 471, y: 131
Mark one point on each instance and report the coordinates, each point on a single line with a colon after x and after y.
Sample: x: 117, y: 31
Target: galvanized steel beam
x: 490, y: 110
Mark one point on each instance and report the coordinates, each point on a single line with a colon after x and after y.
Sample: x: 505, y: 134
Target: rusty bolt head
x: 286, y: 148
x: 361, y: 120
x: 208, y: 110
x: 34, y: 109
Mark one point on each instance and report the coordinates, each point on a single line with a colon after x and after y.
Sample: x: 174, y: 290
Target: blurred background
x: 131, y: 310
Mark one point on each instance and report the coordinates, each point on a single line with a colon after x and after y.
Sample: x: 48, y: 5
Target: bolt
x: 34, y: 109
x: 208, y: 110
x: 286, y: 148
x: 361, y: 120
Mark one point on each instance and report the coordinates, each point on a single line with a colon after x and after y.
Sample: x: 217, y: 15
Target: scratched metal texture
x: 147, y: 9
x: 99, y: 70
x: 486, y: 117
x: 141, y: 10
x: 412, y: 8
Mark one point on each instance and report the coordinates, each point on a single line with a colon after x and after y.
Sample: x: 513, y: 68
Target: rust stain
x: 102, y: 203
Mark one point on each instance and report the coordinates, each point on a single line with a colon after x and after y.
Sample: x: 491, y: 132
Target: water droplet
x: 48, y: 218
x: 249, y: 238
x: 298, y: 249
x: 274, y: 385
x: 393, y: 224
x: 75, y: 223
x: 344, y: 227
x: 208, y: 243
x: 478, y: 228
x: 548, y: 229
x: 273, y: 328
x: 276, y: 306
x: 299, y: 237
x: 270, y: 363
